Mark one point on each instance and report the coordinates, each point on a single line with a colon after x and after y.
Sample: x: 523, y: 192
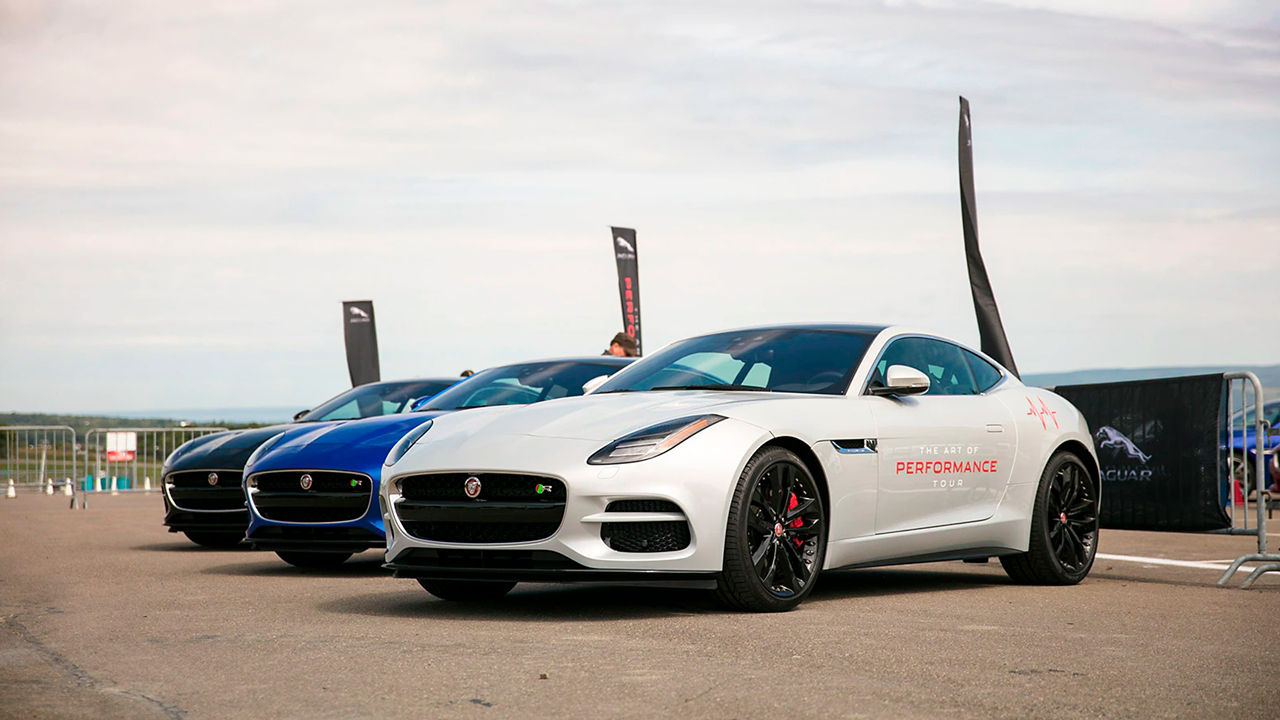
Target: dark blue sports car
x: 1243, y: 445
x: 312, y: 490
x: 203, y: 493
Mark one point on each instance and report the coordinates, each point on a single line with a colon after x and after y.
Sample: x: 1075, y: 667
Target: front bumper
x: 304, y: 531
x: 193, y: 503
x: 698, y: 477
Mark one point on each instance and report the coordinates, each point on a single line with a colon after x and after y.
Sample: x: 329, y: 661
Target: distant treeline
x: 84, y: 423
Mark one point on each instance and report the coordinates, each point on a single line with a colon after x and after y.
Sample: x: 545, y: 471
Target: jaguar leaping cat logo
x: 1111, y: 438
x: 623, y: 245
x: 358, y: 314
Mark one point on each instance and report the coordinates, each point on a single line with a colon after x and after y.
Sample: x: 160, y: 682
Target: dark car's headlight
x: 405, y: 443
x: 652, y: 441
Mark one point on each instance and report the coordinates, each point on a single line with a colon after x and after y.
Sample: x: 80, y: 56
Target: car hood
x: 599, y: 417
x: 222, y: 451
x: 356, y: 445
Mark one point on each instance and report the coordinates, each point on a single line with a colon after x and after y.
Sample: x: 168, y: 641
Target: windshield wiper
x: 713, y: 386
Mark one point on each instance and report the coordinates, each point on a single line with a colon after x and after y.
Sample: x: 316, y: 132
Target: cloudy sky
x: 187, y: 193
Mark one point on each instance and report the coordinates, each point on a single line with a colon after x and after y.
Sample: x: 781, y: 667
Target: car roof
x: 591, y: 359
x: 412, y: 380
x: 858, y: 328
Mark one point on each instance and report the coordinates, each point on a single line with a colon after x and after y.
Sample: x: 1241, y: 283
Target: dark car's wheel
x: 1064, y: 527
x: 466, y: 590
x: 776, y: 535
x: 312, y: 560
x: 214, y: 539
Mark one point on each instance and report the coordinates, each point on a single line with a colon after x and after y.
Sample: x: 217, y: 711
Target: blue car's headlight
x: 652, y: 441
x: 406, y: 442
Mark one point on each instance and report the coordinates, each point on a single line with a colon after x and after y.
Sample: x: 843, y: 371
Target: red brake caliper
x: 797, y: 522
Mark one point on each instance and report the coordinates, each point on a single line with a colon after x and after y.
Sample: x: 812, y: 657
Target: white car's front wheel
x: 776, y: 536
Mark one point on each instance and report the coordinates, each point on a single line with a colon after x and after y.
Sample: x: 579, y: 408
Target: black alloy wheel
x: 313, y: 560
x: 1064, y: 527
x: 212, y: 539
x: 776, y: 535
x: 466, y: 590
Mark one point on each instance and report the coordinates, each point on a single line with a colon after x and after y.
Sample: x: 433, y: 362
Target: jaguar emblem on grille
x: 213, y: 478
x: 472, y: 487
x: 305, y: 482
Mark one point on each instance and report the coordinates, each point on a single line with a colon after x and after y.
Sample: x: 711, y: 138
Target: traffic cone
x: 97, y: 483
x: 146, y: 483
x: 66, y: 488
x: 114, y: 491
x: 48, y: 489
x: 11, y: 492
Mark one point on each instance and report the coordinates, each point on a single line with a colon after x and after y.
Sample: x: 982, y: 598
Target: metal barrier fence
x: 38, y: 456
x: 129, y: 459
x: 1247, y: 473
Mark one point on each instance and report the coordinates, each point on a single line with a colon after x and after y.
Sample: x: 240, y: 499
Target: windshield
x: 1270, y: 415
x: 779, y: 360
x: 374, y: 399
x: 519, y: 384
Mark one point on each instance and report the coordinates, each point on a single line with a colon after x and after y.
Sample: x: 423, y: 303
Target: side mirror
x: 298, y: 415
x: 902, y: 380
x: 590, y: 386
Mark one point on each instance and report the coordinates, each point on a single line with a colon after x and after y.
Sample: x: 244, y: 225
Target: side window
x: 984, y: 373
x: 943, y: 362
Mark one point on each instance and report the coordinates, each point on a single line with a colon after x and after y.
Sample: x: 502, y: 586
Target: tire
x: 1064, y: 527
x: 214, y: 539
x: 466, y: 590
x: 776, y: 535
x: 313, y: 560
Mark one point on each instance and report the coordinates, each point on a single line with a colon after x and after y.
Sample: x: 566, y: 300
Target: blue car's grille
x: 507, y: 508
x: 205, y: 490
x: 311, y: 496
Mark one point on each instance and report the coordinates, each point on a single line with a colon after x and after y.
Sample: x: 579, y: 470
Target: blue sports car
x: 312, y: 490
x: 203, y: 493
x: 1242, y: 447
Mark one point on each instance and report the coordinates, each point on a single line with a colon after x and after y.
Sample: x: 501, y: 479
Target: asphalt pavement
x: 108, y: 615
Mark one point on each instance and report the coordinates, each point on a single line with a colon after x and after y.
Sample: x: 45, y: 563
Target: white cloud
x: 190, y: 192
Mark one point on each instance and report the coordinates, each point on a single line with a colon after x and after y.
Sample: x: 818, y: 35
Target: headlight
x: 406, y: 442
x: 263, y: 448
x: 652, y: 441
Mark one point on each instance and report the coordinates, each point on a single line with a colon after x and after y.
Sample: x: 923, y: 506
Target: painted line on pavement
x: 1175, y: 563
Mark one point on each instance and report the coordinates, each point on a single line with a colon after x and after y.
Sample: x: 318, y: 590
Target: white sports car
x: 748, y: 461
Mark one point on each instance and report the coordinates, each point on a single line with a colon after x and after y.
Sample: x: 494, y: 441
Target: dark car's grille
x: 329, y: 497
x: 508, y: 508
x: 192, y: 490
x: 645, y: 537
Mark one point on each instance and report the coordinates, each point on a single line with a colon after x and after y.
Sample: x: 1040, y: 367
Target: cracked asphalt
x: 105, y: 614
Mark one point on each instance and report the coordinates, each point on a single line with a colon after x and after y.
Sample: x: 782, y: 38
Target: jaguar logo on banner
x: 1158, y: 445
x: 361, y: 335
x: 625, y: 254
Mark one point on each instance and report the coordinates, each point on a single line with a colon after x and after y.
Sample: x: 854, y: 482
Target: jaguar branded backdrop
x: 362, y: 341
x: 1158, y: 442
x: 624, y: 252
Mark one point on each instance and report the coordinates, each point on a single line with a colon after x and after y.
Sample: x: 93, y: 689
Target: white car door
x: 945, y: 456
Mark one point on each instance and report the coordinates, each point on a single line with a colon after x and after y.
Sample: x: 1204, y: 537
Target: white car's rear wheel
x: 1064, y: 527
x: 776, y: 536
